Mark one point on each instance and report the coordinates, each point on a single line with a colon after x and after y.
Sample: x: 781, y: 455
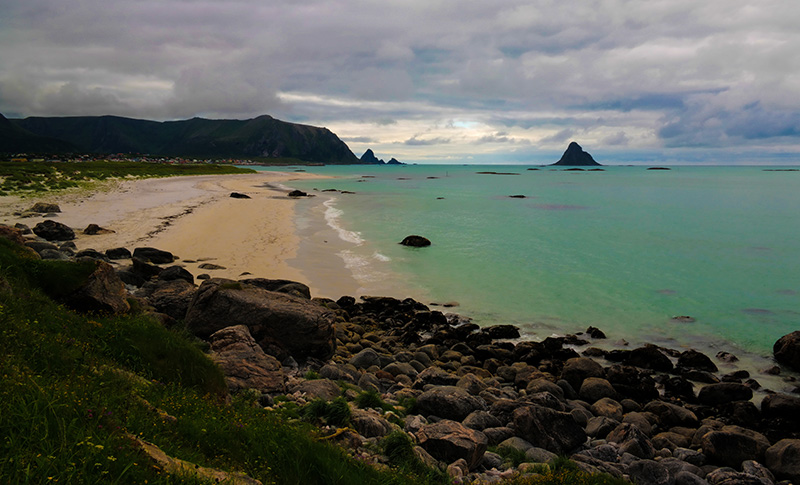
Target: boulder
x: 44, y: 208
x: 176, y: 273
x: 103, y: 292
x: 13, y: 234
x: 672, y: 415
x: 732, y: 445
x: 783, y: 459
x: 632, y: 440
x: 649, y: 357
x: 549, y: 429
x: 724, y: 392
x: 729, y: 476
x: 693, y: 359
x: 787, y: 350
x: 318, y: 388
x: 596, y: 388
x: 609, y: 408
x: 153, y: 255
x: 118, y: 253
x: 95, y: 230
x: 244, y: 363
x: 649, y: 472
x: 632, y: 383
x: 449, y: 402
x: 238, y: 195
x: 480, y: 420
x: 369, y: 424
x: 416, y: 241
x: 171, y: 297
x: 281, y: 286
x: 282, y: 324
x: 780, y: 406
x: 53, y: 231
x: 297, y: 193
x: 449, y: 441
x: 579, y: 368
x: 365, y: 359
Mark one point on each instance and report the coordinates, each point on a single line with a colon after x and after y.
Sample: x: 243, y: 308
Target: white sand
x: 195, y: 218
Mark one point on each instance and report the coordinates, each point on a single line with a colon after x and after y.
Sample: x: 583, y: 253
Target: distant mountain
x: 369, y: 158
x: 262, y: 137
x: 14, y: 139
x: 574, y: 156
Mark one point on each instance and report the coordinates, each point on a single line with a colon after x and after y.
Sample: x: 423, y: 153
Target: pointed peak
x: 576, y: 157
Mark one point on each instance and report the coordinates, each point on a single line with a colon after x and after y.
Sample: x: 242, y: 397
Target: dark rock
x: 365, y: 359
x: 649, y: 472
x: 680, y: 388
x: 783, y: 459
x: 244, y: 363
x: 95, y: 230
x: 176, y: 273
x: 671, y: 414
x: 92, y: 254
x: 44, y: 208
x: 237, y: 195
x: 103, y: 292
x: 545, y: 428
x: 416, y: 241
x: 281, y: 324
x: 599, y: 426
x: 297, y: 193
x: 449, y: 441
x: 171, y: 297
x: 53, y: 231
x: 575, y: 156
x: 449, y: 402
x: 577, y: 369
x: 40, y: 246
x: 696, y: 360
x: 281, y: 286
x: 632, y: 440
x: 502, y: 331
x: 727, y: 357
x: 153, y: 255
x: 498, y: 435
x: 608, y: 407
x: 596, y: 388
x: 595, y: 333
x: 780, y: 406
x: 480, y: 420
x: 318, y: 388
x: 649, y: 357
x: 729, y: 476
x: 631, y: 382
x: 23, y: 228
x: 714, y: 394
x: 369, y: 424
x: 211, y: 266
x: 118, y: 253
x: 732, y: 445
x: 786, y: 350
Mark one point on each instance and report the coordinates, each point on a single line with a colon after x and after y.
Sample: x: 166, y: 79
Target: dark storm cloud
x: 621, y: 73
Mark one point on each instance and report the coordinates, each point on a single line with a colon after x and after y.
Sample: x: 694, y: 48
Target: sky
x: 430, y: 81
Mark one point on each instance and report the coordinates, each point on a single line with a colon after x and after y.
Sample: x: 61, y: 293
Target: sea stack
x: 576, y: 157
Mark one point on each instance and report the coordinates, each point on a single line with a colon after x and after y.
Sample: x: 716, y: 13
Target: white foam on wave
x: 381, y: 257
x: 332, y: 216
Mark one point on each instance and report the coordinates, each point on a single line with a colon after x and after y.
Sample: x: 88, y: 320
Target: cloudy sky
x: 671, y: 81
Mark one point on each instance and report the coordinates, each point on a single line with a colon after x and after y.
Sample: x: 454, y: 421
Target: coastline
x: 195, y: 218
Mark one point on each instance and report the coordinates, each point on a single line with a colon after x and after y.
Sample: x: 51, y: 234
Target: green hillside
x: 262, y: 137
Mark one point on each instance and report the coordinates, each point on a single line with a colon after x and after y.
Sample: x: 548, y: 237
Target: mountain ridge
x: 260, y: 137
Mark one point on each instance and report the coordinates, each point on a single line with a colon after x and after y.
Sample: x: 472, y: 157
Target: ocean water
x: 624, y: 249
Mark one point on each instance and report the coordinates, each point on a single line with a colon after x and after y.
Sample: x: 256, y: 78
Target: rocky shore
x: 651, y: 415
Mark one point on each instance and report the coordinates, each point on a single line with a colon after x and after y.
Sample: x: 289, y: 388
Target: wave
x: 332, y: 217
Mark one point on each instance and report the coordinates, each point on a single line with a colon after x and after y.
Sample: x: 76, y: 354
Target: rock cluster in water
x: 650, y: 414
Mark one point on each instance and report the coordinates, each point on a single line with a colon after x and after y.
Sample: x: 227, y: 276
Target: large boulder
x: 244, y: 363
x: 649, y: 357
x: 632, y: 440
x: 724, y: 392
x: 153, y: 255
x: 281, y: 286
x: 449, y: 402
x: 732, y: 445
x: 693, y: 359
x: 549, y: 429
x: 281, y: 324
x: 44, y: 208
x: 577, y: 369
x: 783, y: 459
x: 449, y: 441
x: 787, y: 350
x: 171, y: 297
x: 102, y: 292
x: 53, y: 231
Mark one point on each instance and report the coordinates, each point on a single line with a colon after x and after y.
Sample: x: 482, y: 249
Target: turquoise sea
x: 625, y: 249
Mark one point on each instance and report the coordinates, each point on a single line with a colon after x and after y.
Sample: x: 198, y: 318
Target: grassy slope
x: 73, y: 387
x: 33, y: 177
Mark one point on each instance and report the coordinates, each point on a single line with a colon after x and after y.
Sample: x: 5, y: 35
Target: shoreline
x: 175, y: 214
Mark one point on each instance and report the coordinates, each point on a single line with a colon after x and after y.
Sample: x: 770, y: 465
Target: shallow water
x: 624, y: 249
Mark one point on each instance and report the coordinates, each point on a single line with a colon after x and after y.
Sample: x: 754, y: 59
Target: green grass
x: 36, y: 177
x: 74, y: 388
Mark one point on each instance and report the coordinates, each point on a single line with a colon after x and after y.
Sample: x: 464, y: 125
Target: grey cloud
x: 617, y: 139
x: 358, y: 139
x: 414, y: 141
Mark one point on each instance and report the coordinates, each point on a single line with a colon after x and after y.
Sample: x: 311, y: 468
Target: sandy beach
x: 195, y: 218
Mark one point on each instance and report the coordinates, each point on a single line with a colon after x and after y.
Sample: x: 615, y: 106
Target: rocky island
x: 574, y: 156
